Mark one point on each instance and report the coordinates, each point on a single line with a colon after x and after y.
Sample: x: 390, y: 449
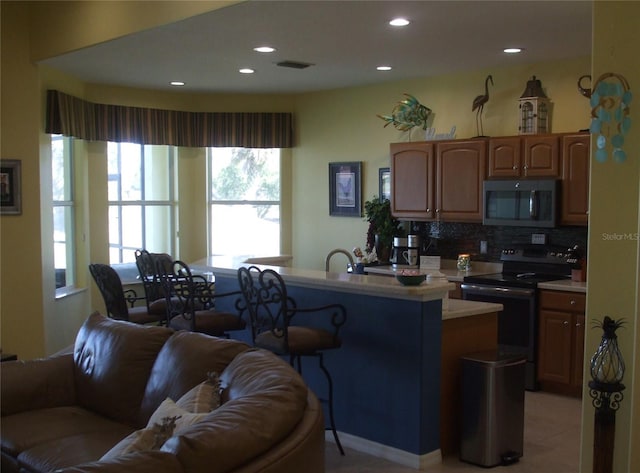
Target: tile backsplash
x: 448, y: 239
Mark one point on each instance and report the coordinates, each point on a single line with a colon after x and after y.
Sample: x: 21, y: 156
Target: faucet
x: 333, y: 252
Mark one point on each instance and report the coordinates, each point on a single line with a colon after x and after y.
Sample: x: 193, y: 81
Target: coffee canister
x: 413, y: 241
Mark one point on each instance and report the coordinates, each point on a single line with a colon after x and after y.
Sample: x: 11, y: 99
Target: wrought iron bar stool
x: 271, y: 313
x: 190, y: 301
x: 117, y: 301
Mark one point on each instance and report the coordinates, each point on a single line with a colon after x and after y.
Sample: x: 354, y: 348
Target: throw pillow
x: 166, y: 421
x: 170, y: 409
x: 150, y: 438
x: 204, y: 397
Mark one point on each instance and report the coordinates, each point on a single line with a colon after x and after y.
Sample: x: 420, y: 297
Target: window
x: 244, y: 201
x: 141, y: 200
x: 63, y: 211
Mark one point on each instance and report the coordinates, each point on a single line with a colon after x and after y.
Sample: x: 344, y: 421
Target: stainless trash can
x: 492, y: 414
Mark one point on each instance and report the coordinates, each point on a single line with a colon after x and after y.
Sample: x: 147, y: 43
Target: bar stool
x: 190, y: 301
x: 271, y: 312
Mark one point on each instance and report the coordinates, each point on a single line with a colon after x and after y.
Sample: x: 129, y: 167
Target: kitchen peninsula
x: 400, y: 347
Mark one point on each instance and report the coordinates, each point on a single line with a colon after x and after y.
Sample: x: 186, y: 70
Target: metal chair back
x: 110, y: 286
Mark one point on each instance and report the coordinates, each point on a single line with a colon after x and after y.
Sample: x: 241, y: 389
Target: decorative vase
x: 383, y: 250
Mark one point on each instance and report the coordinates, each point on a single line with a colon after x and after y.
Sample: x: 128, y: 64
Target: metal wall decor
x: 610, y: 120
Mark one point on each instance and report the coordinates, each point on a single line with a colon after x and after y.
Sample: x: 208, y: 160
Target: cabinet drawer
x: 558, y: 300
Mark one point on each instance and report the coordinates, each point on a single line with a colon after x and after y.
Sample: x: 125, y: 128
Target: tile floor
x: 551, y: 444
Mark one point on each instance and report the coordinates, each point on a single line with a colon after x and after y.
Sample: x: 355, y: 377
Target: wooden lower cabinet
x: 457, y: 292
x: 561, y: 342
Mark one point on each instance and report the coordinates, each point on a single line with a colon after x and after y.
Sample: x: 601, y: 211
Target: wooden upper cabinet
x: 460, y: 171
x: 575, y: 179
x: 505, y: 157
x: 412, y: 180
x: 541, y: 156
x: 524, y: 156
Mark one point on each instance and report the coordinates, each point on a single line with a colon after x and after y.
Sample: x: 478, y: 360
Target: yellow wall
x: 341, y: 125
x: 614, y: 264
x: 331, y: 126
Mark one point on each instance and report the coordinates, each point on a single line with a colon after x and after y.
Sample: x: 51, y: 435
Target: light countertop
x: 375, y: 285
x: 460, y: 308
x: 564, y: 285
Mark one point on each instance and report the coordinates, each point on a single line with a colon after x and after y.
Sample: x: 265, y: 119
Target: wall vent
x: 294, y: 64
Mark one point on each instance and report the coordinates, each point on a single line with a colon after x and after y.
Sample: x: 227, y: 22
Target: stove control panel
x: 540, y: 254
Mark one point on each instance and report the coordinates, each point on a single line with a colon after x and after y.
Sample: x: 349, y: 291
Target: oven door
x: 517, y: 323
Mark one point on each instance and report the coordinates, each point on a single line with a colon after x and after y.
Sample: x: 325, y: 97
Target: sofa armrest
x: 37, y: 384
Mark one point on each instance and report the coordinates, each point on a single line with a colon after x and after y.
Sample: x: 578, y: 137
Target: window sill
x: 67, y: 291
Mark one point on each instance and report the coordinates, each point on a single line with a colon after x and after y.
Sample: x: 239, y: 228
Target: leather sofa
x: 65, y: 412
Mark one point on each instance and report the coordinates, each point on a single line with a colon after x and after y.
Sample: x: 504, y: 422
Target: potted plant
x: 382, y: 227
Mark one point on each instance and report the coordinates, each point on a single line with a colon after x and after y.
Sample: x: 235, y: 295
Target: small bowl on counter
x: 410, y: 278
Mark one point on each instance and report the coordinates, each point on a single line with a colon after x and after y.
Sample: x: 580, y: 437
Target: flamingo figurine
x: 478, y: 104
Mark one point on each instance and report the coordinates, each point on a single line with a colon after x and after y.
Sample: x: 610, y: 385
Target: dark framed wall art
x: 10, y: 187
x: 384, y: 184
x: 345, y: 191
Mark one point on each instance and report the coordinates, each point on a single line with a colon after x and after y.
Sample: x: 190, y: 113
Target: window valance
x: 71, y: 116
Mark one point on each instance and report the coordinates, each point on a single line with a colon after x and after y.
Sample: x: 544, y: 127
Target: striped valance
x: 71, y: 116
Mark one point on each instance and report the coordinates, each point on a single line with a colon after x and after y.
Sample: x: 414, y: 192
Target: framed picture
x: 384, y: 184
x: 10, y: 191
x: 345, y: 194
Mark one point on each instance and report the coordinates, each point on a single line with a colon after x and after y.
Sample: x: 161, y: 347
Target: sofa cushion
x: 68, y: 451
x: 151, y: 461
x: 29, y: 429
x: 184, y: 362
x: 267, y: 400
x: 113, y: 361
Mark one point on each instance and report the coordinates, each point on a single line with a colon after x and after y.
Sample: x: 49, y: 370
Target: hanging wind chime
x: 610, y: 121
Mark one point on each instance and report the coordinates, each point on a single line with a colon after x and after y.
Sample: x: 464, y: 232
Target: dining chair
x: 190, y: 301
x: 146, y: 263
x: 117, y: 301
x: 271, y: 313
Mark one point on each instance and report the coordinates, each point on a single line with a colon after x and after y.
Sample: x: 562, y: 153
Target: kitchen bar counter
x: 388, y: 374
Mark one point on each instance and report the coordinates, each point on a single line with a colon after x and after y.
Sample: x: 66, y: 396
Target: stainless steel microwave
x: 523, y: 203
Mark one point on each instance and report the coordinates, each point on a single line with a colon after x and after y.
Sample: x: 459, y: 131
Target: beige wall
x: 331, y: 126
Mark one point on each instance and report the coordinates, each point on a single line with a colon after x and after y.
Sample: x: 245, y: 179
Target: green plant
x: 381, y: 222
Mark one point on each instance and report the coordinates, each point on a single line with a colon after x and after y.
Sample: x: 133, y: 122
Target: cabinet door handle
x: 437, y: 211
x: 573, y: 302
x: 428, y: 209
x: 515, y: 168
x: 565, y: 323
x: 525, y: 167
x: 578, y: 324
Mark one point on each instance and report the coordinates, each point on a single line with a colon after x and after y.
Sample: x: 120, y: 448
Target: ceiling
x: 344, y: 40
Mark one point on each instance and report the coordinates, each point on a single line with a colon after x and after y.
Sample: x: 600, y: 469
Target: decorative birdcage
x: 535, y: 112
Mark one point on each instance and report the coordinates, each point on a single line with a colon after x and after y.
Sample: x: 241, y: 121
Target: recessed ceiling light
x: 177, y: 83
x: 246, y: 70
x: 512, y: 50
x: 264, y: 49
x: 399, y: 22
x: 383, y: 68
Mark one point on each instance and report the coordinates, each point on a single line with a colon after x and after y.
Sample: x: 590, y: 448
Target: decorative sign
x: 431, y: 135
x: 610, y: 120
